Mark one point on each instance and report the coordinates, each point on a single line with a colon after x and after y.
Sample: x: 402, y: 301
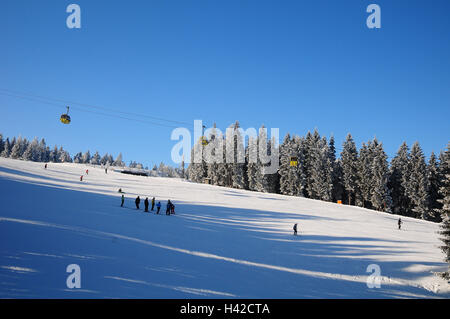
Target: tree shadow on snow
x: 255, y: 248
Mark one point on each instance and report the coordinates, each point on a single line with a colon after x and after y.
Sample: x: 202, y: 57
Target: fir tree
x: 296, y: 173
x: 253, y: 163
x: 365, y: 176
x: 78, y: 158
x: 54, y: 155
x: 238, y: 157
x: 119, y: 162
x: 320, y: 173
x: 32, y: 153
x: 197, y: 168
x: 19, y: 148
x: 214, y: 155
x: 266, y: 180
x: 95, y: 160
x: 44, y: 151
x: 445, y: 211
x: 182, y: 173
x: 86, y: 159
x: 311, y: 149
x: 380, y: 195
x: 286, y: 151
x: 349, y: 161
x: 12, y: 143
x: 1, y: 143
x: 336, y: 172
x: 417, y: 184
x: 398, y: 180
x: 64, y: 157
x: 338, y: 182
x: 434, y: 181
x: 6, y: 149
x: 104, y: 159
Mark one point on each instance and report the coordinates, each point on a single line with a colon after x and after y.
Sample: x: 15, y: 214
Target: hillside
x: 221, y: 243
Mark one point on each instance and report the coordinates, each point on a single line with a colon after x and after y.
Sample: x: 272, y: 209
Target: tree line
x: 408, y: 185
x: 38, y: 151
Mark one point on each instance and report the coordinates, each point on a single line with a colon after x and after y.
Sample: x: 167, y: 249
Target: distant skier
x: 172, y: 208
x: 153, y: 203
x: 137, y: 202
x: 400, y: 223
x: 106, y: 171
x: 81, y: 178
x: 45, y: 166
x: 158, y: 207
x: 295, y: 230
x: 87, y: 172
x: 146, y: 204
x: 169, y: 206
x: 123, y: 200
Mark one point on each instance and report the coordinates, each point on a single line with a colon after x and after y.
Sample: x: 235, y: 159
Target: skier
x: 87, y: 172
x: 106, y: 171
x: 172, y: 208
x: 158, y: 207
x: 400, y: 223
x: 137, y: 201
x: 169, y: 206
x: 45, y: 166
x: 81, y: 178
x: 295, y: 230
x: 146, y: 204
x: 153, y: 203
x: 123, y: 200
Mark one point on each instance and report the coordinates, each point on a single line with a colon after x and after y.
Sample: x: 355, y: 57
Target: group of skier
x: 170, y: 208
x: 87, y: 172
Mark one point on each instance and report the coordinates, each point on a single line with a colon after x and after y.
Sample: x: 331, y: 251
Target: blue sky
x: 293, y: 65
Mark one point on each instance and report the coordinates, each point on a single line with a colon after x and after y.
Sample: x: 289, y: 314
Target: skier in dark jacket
x: 172, y: 208
x: 153, y: 203
x: 123, y: 200
x: 400, y: 223
x: 158, y: 207
x: 146, y: 204
x: 169, y: 206
x: 137, y: 201
x: 45, y: 165
x: 295, y: 230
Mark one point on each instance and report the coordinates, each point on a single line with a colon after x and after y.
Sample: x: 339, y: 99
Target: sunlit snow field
x: 221, y: 243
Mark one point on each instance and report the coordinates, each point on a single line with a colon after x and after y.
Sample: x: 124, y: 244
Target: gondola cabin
x: 65, y: 118
x: 293, y: 161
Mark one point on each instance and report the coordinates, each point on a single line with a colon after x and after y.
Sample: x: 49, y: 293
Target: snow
x: 221, y: 243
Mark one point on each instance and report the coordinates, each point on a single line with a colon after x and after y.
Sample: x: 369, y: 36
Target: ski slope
x: 221, y: 243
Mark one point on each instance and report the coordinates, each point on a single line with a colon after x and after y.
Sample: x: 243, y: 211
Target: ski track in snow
x: 221, y: 243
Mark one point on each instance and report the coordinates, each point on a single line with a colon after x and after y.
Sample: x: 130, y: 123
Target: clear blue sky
x: 296, y: 65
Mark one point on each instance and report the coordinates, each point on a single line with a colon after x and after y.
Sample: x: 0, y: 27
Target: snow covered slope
x: 221, y: 243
